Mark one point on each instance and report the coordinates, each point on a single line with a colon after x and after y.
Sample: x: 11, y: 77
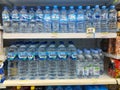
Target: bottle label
x: 11, y: 56
x: 5, y: 17
x: 96, y: 70
x: 24, y: 17
x: 22, y: 55
x: 86, y: 71
x: 55, y: 17
x: 39, y: 17
x: 72, y: 17
x: 30, y: 55
x: 52, y: 55
x: 15, y: 17
x: 47, y: 17
x: 62, y: 55
x: 31, y: 18
x: 80, y: 17
x: 74, y: 56
x: 42, y: 55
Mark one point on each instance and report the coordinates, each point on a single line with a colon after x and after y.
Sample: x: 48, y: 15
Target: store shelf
x: 2, y: 57
x: 56, y: 35
x: 104, y: 79
x: 2, y: 86
x: 112, y: 56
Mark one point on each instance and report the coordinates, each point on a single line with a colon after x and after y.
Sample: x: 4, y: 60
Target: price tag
x: 54, y: 35
x: 90, y: 32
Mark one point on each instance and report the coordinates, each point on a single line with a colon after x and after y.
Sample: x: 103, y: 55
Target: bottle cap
x: 71, y: 7
x: 79, y: 51
x: 53, y: 42
x: 32, y: 87
x: 112, y: 6
x: 15, y: 7
x: 38, y: 7
x: 70, y: 42
x: 103, y: 7
x: 88, y: 7
x: 55, y: 6
x: 32, y: 9
x: 18, y: 87
x: 5, y: 7
x: 63, y: 7
x: 97, y: 6
x: 47, y: 7
x: 87, y: 51
x: 23, y: 7
x: 79, y: 7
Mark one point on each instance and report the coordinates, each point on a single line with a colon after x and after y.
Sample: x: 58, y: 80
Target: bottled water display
x: 42, y: 60
x: 55, y: 20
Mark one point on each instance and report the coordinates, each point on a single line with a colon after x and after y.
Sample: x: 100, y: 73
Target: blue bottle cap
x: 79, y: 51
x: 47, y: 7
x: 61, y: 42
x: 53, y: 42
x: 87, y: 7
x: 38, y: 7
x: 95, y: 51
x: 5, y: 8
x: 79, y: 7
x: 55, y: 6
x: 23, y: 7
x: 32, y: 9
x: 112, y: 7
x: 103, y: 7
x: 15, y: 7
x: 71, y: 7
x: 87, y: 51
x: 70, y: 42
x: 97, y: 6
x: 45, y: 42
x: 63, y: 7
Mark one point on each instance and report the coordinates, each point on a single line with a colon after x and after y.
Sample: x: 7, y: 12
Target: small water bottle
x: 23, y: 20
x: 32, y: 22
x: 6, y: 20
x: 52, y: 63
x: 72, y: 59
x: 55, y: 19
x: 15, y: 20
x: 97, y: 19
x: 72, y: 20
x: 42, y: 61
x: 104, y: 19
x: 63, y: 20
x: 112, y: 19
x: 80, y: 20
x: 39, y: 20
x: 23, y: 62
x: 47, y: 20
x: 62, y: 61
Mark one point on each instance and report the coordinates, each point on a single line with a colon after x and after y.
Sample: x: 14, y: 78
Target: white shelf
x: 56, y: 35
x: 2, y: 86
x: 2, y: 57
x: 112, y: 56
x: 104, y: 79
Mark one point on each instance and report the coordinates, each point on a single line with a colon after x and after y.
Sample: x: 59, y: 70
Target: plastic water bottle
x: 72, y: 59
x: 49, y: 88
x: 88, y: 67
x: 55, y: 19
x: 77, y: 88
x: 68, y: 88
x: 96, y: 65
x: 6, y: 20
x: 32, y: 62
x: 23, y: 20
x: 71, y: 19
x: 88, y: 17
x: 104, y: 19
x: 47, y: 19
x: 15, y: 20
x: 42, y: 62
x: 23, y: 62
x: 63, y: 20
x: 59, y: 88
x: 32, y: 22
x: 12, y: 62
x: 97, y: 18
x: 80, y: 64
x: 80, y: 20
x: 62, y: 61
x: 52, y: 63
x: 112, y: 19
x: 39, y: 20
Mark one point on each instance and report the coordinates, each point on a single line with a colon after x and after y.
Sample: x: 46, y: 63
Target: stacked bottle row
x: 31, y: 60
x: 61, y: 21
x: 86, y: 87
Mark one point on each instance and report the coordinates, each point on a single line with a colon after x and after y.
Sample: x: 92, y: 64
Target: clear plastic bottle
x: 23, y: 20
x: 47, y: 20
x: 63, y: 20
x: 6, y: 20
x: 15, y: 20
x: 80, y: 64
x: 97, y: 19
x: 39, y: 20
x: 88, y: 67
x: 112, y: 19
x: 88, y: 17
x: 23, y: 62
x: 52, y: 63
x: 32, y: 22
x: 32, y: 62
x: 12, y: 62
x: 55, y: 19
x: 42, y: 62
x: 72, y: 59
x: 104, y: 19
x: 80, y: 20
x: 62, y: 61
x: 71, y: 20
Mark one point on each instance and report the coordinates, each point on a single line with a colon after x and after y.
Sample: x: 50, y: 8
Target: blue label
x: 42, y: 55
x: 74, y: 55
x: 80, y: 17
x: 15, y: 17
x: 39, y: 17
x: 52, y: 55
x: 11, y: 56
x: 72, y: 17
x: 24, y: 17
x: 22, y: 55
x: 62, y: 55
x: 5, y: 17
x: 30, y: 55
